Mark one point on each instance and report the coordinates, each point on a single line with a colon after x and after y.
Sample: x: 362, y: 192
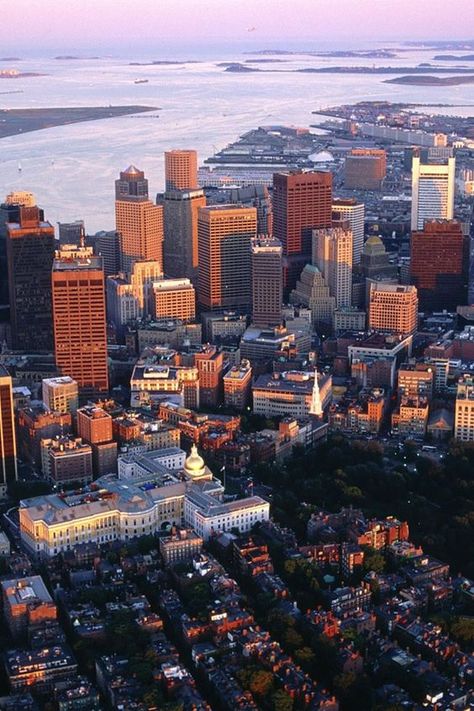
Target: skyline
x: 117, y: 24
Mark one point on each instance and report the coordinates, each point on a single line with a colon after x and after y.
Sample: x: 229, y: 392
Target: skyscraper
x: 464, y: 410
x: 30, y: 252
x: 432, y: 194
x: 365, y: 169
x: 225, y: 233
x: 267, y: 281
x: 354, y: 213
x: 80, y: 340
x: 8, y: 472
x: 439, y: 257
x: 180, y: 213
x: 70, y: 232
x: 138, y: 220
x: 174, y: 298
x: 10, y: 212
x: 393, y: 308
x: 301, y: 202
x: 332, y: 254
x: 181, y: 170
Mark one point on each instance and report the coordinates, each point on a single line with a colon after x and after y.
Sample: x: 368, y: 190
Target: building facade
x: 138, y: 220
x: 30, y: 253
x: 267, y: 281
x: 439, y: 262
x: 8, y: 467
x: 80, y: 338
x: 393, y: 308
x: 432, y: 194
x: 301, y: 202
x: 225, y: 233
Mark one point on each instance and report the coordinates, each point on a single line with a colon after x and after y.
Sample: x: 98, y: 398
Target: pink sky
x: 89, y: 22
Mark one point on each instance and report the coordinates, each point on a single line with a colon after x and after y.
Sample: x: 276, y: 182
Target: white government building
x: 114, y: 508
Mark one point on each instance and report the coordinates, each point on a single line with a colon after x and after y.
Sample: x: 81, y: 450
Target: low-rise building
x: 39, y: 668
x: 290, y: 393
x: 182, y: 544
x: 411, y: 417
x: 26, y: 602
x: 238, y: 386
x: 66, y: 459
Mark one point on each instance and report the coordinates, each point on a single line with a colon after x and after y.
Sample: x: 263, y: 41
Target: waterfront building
x: 8, y: 468
x: 439, y: 261
x: 224, y: 234
x: 30, y: 253
x: 432, y: 191
x: 393, y: 308
x: 138, y: 220
x: 181, y: 170
x: 80, y: 339
x: 267, y: 281
x: 365, y: 169
x: 354, y: 212
x: 301, y: 202
x: 60, y: 394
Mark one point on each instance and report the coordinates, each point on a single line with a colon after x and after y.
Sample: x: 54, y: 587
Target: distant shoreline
x: 429, y: 80
x: 14, y: 122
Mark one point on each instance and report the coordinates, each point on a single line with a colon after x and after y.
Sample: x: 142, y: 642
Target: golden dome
x: 194, y: 465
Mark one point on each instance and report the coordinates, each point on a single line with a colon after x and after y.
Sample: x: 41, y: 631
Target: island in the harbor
x: 237, y: 67
x: 163, y: 62
x: 72, y: 57
x: 454, y: 57
x: 17, y: 121
x: 15, y: 74
x: 430, y: 80
x: 360, y: 53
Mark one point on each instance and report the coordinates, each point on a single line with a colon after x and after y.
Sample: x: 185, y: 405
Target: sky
x: 107, y: 24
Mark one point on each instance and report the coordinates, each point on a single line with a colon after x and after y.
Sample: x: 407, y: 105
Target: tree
x: 261, y: 683
x: 463, y: 630
x: 281, y: 701
x: 375, y: 561
x: 305, y: 657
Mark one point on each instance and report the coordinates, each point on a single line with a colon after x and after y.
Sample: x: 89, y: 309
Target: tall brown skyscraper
x: 225, y: 233
x: 439, y: 260
x: 138, y: 220
x: 301, y: 203
x: 30, y: 252
x: 180, y: 252
x: 267, y: 281
x: 80, y: 340
x: 181, y: 170
x: 8, y: 472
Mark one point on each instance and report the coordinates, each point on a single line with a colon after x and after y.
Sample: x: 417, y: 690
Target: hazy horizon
x: 104, y: 26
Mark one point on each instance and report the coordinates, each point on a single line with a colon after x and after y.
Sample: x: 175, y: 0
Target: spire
x: 315, y: 407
